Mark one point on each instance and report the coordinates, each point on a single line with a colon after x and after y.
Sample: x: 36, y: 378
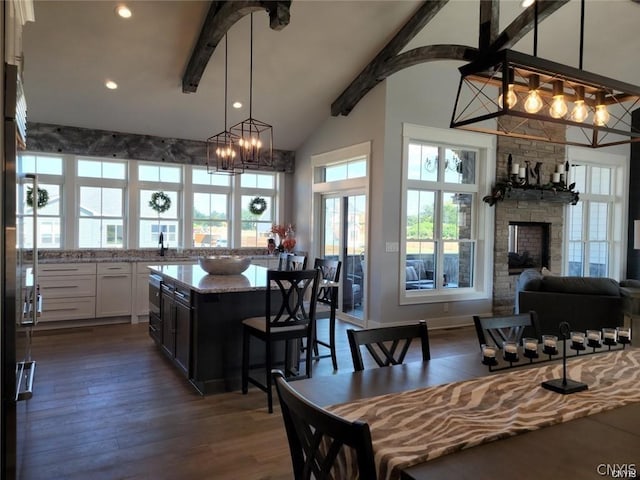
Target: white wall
x: 422, y: 95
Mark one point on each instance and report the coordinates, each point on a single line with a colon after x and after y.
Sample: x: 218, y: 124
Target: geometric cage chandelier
x: 222, y: 148
x: 518, y: 95
x: 255, y: 138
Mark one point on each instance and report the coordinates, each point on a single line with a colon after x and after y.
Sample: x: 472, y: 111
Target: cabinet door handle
x: 52, y: 287
x: 180, y: 294
x: 114, y: 276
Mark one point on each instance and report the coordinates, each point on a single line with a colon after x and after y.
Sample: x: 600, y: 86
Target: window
x: 101, y: 206
x: 211, y: 222
x: 348, y: 170
x: 107, y: 204
x: 441, y: 238
x: 50, y: 178
x: 255, y: 229
x: 592, y: 244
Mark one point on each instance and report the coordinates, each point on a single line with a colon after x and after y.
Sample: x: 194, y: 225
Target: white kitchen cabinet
x: 68, y: 291
x: 114, y: 290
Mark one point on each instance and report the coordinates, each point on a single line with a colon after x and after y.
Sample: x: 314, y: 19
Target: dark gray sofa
x: 584, y: 302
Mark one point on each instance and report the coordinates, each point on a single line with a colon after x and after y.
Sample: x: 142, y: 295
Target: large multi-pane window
x: 50, y: 172
x: 589, y: 222
x: 101, y: 206
x: 256, y: 229
x: 105, y: 203
x: 439, y: 246
x: 211, y: 210
x: 445, y: 233
x: 166, y: 180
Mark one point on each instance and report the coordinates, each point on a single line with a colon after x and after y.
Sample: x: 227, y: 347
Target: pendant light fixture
x: 601, y: 107
x: 222, y: 148
x: 255, y: 138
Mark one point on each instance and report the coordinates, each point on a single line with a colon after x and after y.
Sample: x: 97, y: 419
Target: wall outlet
x: 391, y: 247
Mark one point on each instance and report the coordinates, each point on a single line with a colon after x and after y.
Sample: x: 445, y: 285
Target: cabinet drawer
x: 68, y: 287
x: 48, y: 270
x: 120, y: 267
x: 59, y: 309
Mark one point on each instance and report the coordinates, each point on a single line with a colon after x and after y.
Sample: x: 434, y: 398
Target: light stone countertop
x: 196, y: 279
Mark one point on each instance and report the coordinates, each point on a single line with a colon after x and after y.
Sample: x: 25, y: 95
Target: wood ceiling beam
x: 389, y: 61
x: 220, y: 18
x: 489, y: 23
x: 524, y: 23
x: 369, y: 77
x: 426, y: 54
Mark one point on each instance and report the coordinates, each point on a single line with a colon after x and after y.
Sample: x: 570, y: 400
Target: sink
x: 224, y: 264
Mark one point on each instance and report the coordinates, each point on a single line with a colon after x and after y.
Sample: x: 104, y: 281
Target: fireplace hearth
x: 528, y: 246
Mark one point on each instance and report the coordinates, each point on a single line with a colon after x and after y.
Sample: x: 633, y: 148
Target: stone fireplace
x: 528, y: 246
x: 544, y: 214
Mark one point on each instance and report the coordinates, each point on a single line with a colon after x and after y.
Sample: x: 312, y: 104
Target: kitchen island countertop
x: 196, y: 279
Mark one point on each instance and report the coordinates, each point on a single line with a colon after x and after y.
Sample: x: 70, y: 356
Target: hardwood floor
x: 108, y: 405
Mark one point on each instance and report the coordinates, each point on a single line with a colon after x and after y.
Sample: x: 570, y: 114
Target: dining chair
x: 327, y: 297
x: 316, y: 436
x: 509, y: 328
x: 285, y: 319
x: 289, y: 261
x: 387, y: 345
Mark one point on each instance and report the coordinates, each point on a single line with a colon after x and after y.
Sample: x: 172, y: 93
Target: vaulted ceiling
x: 299, y: 71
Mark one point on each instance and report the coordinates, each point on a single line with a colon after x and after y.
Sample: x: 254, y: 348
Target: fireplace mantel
x: 505, y: 192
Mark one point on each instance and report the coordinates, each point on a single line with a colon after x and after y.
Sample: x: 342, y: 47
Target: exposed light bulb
x: 601, y: 116
x: 512, y: 98
x: 579, y: 112
x: 533, y: 103
x: 558, y: 107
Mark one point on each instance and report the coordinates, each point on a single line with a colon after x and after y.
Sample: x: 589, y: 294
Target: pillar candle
x: 521, y: 172
x: 515, y: 167
x: 556, y: 177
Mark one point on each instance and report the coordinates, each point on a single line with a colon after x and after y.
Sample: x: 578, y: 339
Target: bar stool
x: 328, y: 295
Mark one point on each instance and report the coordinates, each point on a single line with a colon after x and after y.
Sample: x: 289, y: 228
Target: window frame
x: 481, y: 218
x: 617, y: 208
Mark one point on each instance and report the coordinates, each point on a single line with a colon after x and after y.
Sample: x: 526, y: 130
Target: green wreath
x: 160, y: 202
x: 257, y: 205
x: 43, y: 197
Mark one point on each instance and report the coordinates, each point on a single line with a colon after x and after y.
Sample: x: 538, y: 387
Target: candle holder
x: 565, y: 385
x: 530, y: 346
x: 489, y: 355
x: 594, y: 338
x: 550, y: 345
x: 624, y: 335
x: 577, y: 341
x: 510, y: 351
x: 609, y: 336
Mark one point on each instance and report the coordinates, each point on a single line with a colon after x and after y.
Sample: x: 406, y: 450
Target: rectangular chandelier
x: 513, y: 94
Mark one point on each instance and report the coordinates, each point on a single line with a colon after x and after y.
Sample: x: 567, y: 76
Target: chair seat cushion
x: 260, y: 324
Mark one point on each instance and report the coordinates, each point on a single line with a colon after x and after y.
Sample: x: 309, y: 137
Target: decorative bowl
x: 224, y: 264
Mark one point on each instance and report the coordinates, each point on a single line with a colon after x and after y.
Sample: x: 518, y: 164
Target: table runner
x: 412, y: 427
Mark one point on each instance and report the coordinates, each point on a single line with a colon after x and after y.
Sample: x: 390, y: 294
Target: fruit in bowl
x: 224, y: 264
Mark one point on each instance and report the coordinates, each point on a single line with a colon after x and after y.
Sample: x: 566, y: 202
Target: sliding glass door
x: 344, y: 237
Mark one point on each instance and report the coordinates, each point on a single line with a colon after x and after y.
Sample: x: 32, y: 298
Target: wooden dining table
x: 601, y: 445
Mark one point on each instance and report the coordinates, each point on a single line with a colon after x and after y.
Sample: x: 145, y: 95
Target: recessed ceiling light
x: 123, y: 11
x: 111, y: 85
x: 527, y: 3
x: 237, y: 105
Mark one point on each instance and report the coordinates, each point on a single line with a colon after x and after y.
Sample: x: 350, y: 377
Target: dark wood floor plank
x: 108, y: 405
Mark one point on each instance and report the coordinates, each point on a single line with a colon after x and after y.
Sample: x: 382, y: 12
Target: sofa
x: 584, y: 302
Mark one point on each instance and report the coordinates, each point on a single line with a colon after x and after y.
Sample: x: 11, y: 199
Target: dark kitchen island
x: 199, y: 325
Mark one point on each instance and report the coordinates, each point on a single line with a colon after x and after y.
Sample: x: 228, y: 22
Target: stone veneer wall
x: 522, y: 150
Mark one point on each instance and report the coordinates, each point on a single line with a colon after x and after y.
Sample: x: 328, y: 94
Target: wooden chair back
x: 293, y: 286
x: 316, y: 436
x: 388, y: 345
x: 330, y: 270
x: 509, y: 328
x: 288, y: 261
